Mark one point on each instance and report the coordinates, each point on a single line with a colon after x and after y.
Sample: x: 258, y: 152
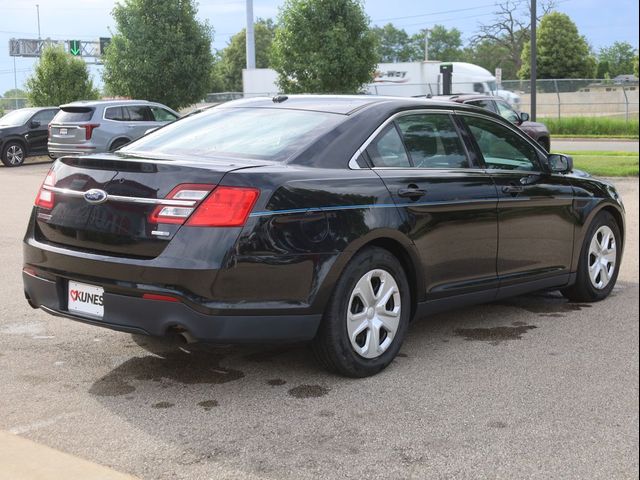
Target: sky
x: 601, y: 22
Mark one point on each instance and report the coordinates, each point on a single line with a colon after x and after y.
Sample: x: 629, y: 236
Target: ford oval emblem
x: 95, y: 196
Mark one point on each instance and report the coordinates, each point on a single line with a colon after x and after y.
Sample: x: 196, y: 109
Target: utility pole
x: 251, y: 40
x: 534, y: 70
x: 15, y: 84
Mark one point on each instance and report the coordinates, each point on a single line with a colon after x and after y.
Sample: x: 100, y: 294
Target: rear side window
x: 139, y: 113
x: 387, y: 150
x: 117, y: 114
x: 432, y: 141
x: 252, y: 133
x: 73, y: 115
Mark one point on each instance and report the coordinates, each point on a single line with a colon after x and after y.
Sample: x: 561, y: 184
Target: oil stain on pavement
x: 546, y: 304
x: 208, y: 404
x: 308, y: 391
x: 187, y: 367
x: 495, y: 335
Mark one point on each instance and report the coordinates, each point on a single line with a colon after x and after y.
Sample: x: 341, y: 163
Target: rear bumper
x: 62, y: 149
x: 134, y: 314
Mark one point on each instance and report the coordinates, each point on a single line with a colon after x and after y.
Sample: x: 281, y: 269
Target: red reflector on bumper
x: 162, y: 298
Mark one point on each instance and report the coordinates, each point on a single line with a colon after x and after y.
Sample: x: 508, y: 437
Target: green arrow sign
x: 74, y: 48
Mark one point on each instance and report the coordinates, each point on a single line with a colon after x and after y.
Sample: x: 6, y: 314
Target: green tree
x: 635, y: 66
x: 510, y: 26
x: 562, y: 51
x: 490, y: 54
x: 324, y: 46
x: 234, y: 57
x: 159, y: 52
x: 444, y: 44
x: 15, y: 93
x: 618, y: 59
x: 59, y: 78
x: 394, y: 45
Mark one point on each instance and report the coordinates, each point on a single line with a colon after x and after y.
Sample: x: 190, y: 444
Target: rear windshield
x: 73, y: 114
x: 258, y: 133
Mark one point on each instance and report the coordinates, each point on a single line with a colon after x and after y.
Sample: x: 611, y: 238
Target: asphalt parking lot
x: 534, y: 387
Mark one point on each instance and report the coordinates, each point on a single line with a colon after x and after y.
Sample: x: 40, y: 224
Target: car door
x: 535, y: 208
x: 448, y: 205
x: 140, y: 120
x: 38, y: 130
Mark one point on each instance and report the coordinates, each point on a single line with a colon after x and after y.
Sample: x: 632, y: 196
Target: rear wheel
x: 366, y: 319
x: 121, y: 142
x: 13, y: 154
x: 599, y: 261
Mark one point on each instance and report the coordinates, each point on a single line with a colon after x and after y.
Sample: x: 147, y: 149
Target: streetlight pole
x: 534, y: 53
x: 251, y: 41
x: 38, y: 12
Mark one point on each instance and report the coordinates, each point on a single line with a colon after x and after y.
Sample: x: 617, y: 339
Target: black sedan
x: 24, y: 132
x: 330, y: 219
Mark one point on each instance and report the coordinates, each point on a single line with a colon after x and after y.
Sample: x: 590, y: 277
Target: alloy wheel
x: 15, y: 154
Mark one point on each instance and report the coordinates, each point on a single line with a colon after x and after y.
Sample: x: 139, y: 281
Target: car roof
x: 96, y: 103
x: 466, y: 97
x: 338, y: 104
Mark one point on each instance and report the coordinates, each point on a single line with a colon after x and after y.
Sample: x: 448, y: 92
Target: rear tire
x: 599, y: 262
x: 363, y: 328
x: 121, y: 142
x: 13, y: 154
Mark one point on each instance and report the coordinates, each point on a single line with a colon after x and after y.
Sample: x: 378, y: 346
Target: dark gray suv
x: 103, y: 125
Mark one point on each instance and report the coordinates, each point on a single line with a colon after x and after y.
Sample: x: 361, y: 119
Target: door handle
x: 513, y: 189
x: 412, y: 192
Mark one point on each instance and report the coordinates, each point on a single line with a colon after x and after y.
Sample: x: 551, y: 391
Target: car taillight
x: 88, y: 130
x: 225, y: 207
x: 49, y: 130
x: 212, y: 206
x: 45, y: 198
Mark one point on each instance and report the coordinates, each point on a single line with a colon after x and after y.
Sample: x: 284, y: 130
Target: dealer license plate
x: 85, y: 299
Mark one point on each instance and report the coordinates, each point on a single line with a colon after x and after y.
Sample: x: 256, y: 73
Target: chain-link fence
x: 555, y: 98
x: 7, y: 104
x: 579, y: 98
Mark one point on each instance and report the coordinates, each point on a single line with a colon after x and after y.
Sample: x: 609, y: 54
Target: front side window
x: 502, y: 148
x: 508, y: 113
x: 162, y: 115
x: 387, y: 149
x: 432, y: 141
x: 44, y: 117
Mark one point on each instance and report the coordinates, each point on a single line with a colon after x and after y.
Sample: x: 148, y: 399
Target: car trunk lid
x: 135, y: 187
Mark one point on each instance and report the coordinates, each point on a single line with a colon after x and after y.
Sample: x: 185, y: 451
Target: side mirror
x: 524, y: 117
x: 559, y: 163
x: 34, y: 124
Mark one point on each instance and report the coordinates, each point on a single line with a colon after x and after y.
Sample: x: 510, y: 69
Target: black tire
x: 584, y: 290
x: 121, y: 142
x: 332, y: 346
x: 13, y: 154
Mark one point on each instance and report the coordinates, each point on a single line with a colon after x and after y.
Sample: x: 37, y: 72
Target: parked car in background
x: 538, y: 131
x: 334, y: 219
x: 104, y: 125
x: 23, y: 133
